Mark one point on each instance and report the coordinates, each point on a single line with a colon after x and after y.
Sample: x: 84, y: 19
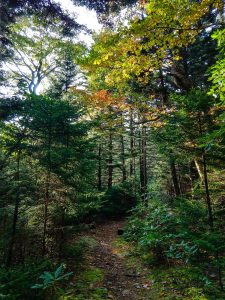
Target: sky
x: 83, y: 16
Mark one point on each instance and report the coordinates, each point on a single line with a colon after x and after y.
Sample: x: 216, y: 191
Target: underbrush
x: 178, y: 244
x: 114, y: 202
x: 44, y: 279
x: 16, y: 282
x: 88, y: 285
x: 184, y: 282
x: 78, y: 250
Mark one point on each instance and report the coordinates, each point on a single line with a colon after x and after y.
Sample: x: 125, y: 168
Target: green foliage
x: 140, y: 121
x: 79, y: 249
x: 178, y: 233
x: 52, y: 280
x: 16, y: 281
x: 218, y: 86
x: 90, y: 205
x: 92, y: 276
x: 118, y: 200
x: 88, y: 285
x: 56, y: 145
x: 217, y: 71
x: 38, y: 49
x: 180, y: 282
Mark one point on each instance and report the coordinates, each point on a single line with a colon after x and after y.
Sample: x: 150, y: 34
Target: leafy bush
x: 118, y: 200
x: 51, y: 281
x: 15, y: 283
x: 179, y: 233
x: 79, y: 249
x: 181, y: 282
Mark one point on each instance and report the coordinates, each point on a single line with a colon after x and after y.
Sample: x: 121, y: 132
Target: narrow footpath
x: 121, y: 280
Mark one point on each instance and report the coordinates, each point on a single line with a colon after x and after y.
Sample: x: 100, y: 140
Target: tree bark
x: 131, y: 143
x: 16, y: 212
x: 123, y: 158
x: 46, y: 212
x: 206, y: 182
x: 199, y: 170
x: 175, y: 178
x: 110, y: 161
x: 47, y: 185
x: 143, y: 163
x: 123, y: 163
x: 100, y: 167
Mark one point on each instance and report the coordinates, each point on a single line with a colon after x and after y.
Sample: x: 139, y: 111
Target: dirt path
x: 122, y: 282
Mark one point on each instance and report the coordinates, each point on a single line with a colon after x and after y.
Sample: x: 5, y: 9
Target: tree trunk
x: 199, y: 170
x: 164, y: 90
x: 123, y: 163
x: 208, y: 202
x: 16, y: 212
x: 175, y: 178
x: 47, y: 187
x: 100, y: 167
x: 192, y: 175
x: 110, y: 161
x: 143, y: 163
x: 206, y: 183
x: 123, y: 158
x: 131, y: 143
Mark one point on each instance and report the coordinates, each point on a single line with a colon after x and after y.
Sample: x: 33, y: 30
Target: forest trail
x: 121, y: 280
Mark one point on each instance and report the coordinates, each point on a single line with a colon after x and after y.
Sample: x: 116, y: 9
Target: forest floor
x: 122, y: 278
x: 113, y: 269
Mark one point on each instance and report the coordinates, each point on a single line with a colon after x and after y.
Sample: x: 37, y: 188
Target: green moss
x: 91, y: 276
x: 89, y: 285
x: 98, y: 294
x: 181, y: 282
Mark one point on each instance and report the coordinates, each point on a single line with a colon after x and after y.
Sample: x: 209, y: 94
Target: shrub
x: 51, y: 282
x: 15, y: 283
x: 118, y: 200
x: 79, y: 249
x: 177, y: 233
